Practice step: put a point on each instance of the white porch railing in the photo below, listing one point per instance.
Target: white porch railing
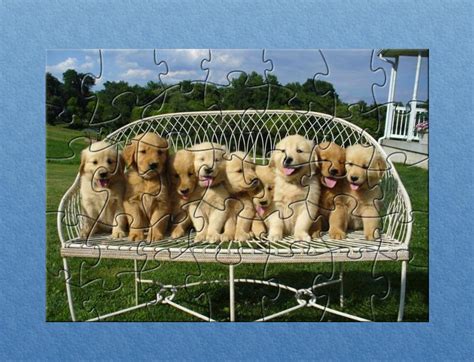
(400, 124)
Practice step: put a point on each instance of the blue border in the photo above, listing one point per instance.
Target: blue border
(30, 27)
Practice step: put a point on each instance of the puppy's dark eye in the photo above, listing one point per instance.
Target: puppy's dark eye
(349, 163)
(269, 188)
(160, 152)
(95, 162)
(299, 151)
(143, 151)
(240, 171)
(190, 174)
(110, 161)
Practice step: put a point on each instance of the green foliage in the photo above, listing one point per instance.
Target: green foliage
(119, 103)
(68, 102)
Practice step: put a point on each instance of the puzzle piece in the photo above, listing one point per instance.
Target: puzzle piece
(124, 86)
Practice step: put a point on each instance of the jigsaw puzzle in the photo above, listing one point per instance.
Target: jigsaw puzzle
(237, 185)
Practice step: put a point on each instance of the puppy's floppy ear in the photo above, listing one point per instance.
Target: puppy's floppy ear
(314, 158)
(167, 150)
(83, 161)
(272, 162)
(128, 153)
(377, 169)
(120, 163)
(381, 165)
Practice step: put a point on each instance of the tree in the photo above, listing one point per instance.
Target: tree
(54, 99)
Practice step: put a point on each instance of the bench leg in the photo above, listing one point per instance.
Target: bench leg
(403, 284)
(67, 276)
(231, 293)
(341, 285)
(135, 268)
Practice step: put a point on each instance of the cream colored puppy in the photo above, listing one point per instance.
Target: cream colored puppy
(209, 215)
(241, 182)
(365, 168)
(185, 190)
(297, 189)
(102, 188)
(263, 200)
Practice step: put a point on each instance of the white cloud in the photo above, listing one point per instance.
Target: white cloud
(69, 63)
(180, 73)
(87, 66)
(139, 73)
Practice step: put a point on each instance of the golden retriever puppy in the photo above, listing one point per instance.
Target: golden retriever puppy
(333, 203)
(102, 188)
(210, 214)
(146, 200)
(365, 168)
(185, 190)
(263, 200)
(297, 189)
(241, 182)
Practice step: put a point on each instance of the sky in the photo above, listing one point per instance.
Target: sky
(356, 74)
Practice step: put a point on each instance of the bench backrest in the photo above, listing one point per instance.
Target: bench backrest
(257, 132)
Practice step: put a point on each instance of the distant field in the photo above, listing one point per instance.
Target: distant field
(105, 285)
(64, 144)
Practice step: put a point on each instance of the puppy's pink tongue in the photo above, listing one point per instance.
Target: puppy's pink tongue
(330, 182)
(103, 183)
(208, 182)
(288, 171)
(354, 187)
(260, 210)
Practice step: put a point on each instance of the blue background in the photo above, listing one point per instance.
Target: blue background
(29, 27)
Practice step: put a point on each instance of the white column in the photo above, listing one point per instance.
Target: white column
(391, 97)
(231, 294)
(411, 123)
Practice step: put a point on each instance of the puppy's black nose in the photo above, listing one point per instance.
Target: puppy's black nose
(263, 203)
(103, 174)
(184, 191)
(354, 178)
(333, 172)
(287, 161)
(208, 170)
(153, 166)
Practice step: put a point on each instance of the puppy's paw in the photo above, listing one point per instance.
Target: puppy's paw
(226, 237)
(178, 232)
(243, 236)
(275, 236)
(337, 234)
(200, 236)
(302, 237)
(316, 234)
(84, 234)
(155, 236)
(118, 233)
(372, 236)
(213, 237)
(136, 235)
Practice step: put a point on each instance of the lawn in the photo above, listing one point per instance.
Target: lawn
(101, 286)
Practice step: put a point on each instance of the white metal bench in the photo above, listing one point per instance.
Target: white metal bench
(256, 132)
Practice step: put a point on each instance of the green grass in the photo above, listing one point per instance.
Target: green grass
(101, 286)
(64, 144)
